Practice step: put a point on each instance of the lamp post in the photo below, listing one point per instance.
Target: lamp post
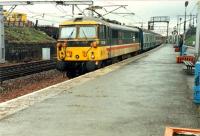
(180, 26)
(186, 4)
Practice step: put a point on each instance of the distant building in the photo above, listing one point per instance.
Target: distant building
(15, 17)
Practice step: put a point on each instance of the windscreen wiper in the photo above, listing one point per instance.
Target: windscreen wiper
(70, 36)
(85, 34)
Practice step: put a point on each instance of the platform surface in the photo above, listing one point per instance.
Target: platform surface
(139, 99)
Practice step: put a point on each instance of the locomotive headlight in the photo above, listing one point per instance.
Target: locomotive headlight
(92, 55)
(77, 56)
(93, 44)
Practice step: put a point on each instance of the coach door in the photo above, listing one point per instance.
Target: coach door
(109, 40)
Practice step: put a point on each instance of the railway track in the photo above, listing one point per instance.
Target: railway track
(19, 70)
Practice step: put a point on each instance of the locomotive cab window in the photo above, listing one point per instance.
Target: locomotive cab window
(68, 32)
(87, 32)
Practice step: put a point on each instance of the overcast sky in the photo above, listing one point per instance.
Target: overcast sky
(143, 9)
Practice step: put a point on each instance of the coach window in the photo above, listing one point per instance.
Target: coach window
(115, 36)
(147, 38)
(127, 37)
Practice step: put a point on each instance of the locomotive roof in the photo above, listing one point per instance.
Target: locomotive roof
(93, 21)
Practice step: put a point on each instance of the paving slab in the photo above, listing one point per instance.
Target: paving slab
(138, 99)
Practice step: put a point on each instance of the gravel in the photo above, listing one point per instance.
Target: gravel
(20, 86)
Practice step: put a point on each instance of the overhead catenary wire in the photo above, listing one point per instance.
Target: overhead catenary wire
(193, 8)
(63, 11)
(41, 16)
(47, 20)
(60, 9)
(37, 15)
(124, 16)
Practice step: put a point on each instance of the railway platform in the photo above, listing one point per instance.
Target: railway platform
(140, 98)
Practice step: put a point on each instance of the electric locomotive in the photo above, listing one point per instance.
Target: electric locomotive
(87, 43)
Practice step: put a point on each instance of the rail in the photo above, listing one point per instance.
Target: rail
(19, 70)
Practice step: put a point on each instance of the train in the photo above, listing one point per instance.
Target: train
(89, 43)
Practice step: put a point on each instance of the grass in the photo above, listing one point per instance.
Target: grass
(26, 35)
(189, 40)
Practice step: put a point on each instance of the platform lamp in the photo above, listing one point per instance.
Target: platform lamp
(186, 4)
(180, 26)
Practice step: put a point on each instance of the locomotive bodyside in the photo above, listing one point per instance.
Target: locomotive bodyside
(88, 43)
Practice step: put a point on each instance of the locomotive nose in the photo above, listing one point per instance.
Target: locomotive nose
(61, 47)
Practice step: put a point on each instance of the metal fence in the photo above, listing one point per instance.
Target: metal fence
(27, 52)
